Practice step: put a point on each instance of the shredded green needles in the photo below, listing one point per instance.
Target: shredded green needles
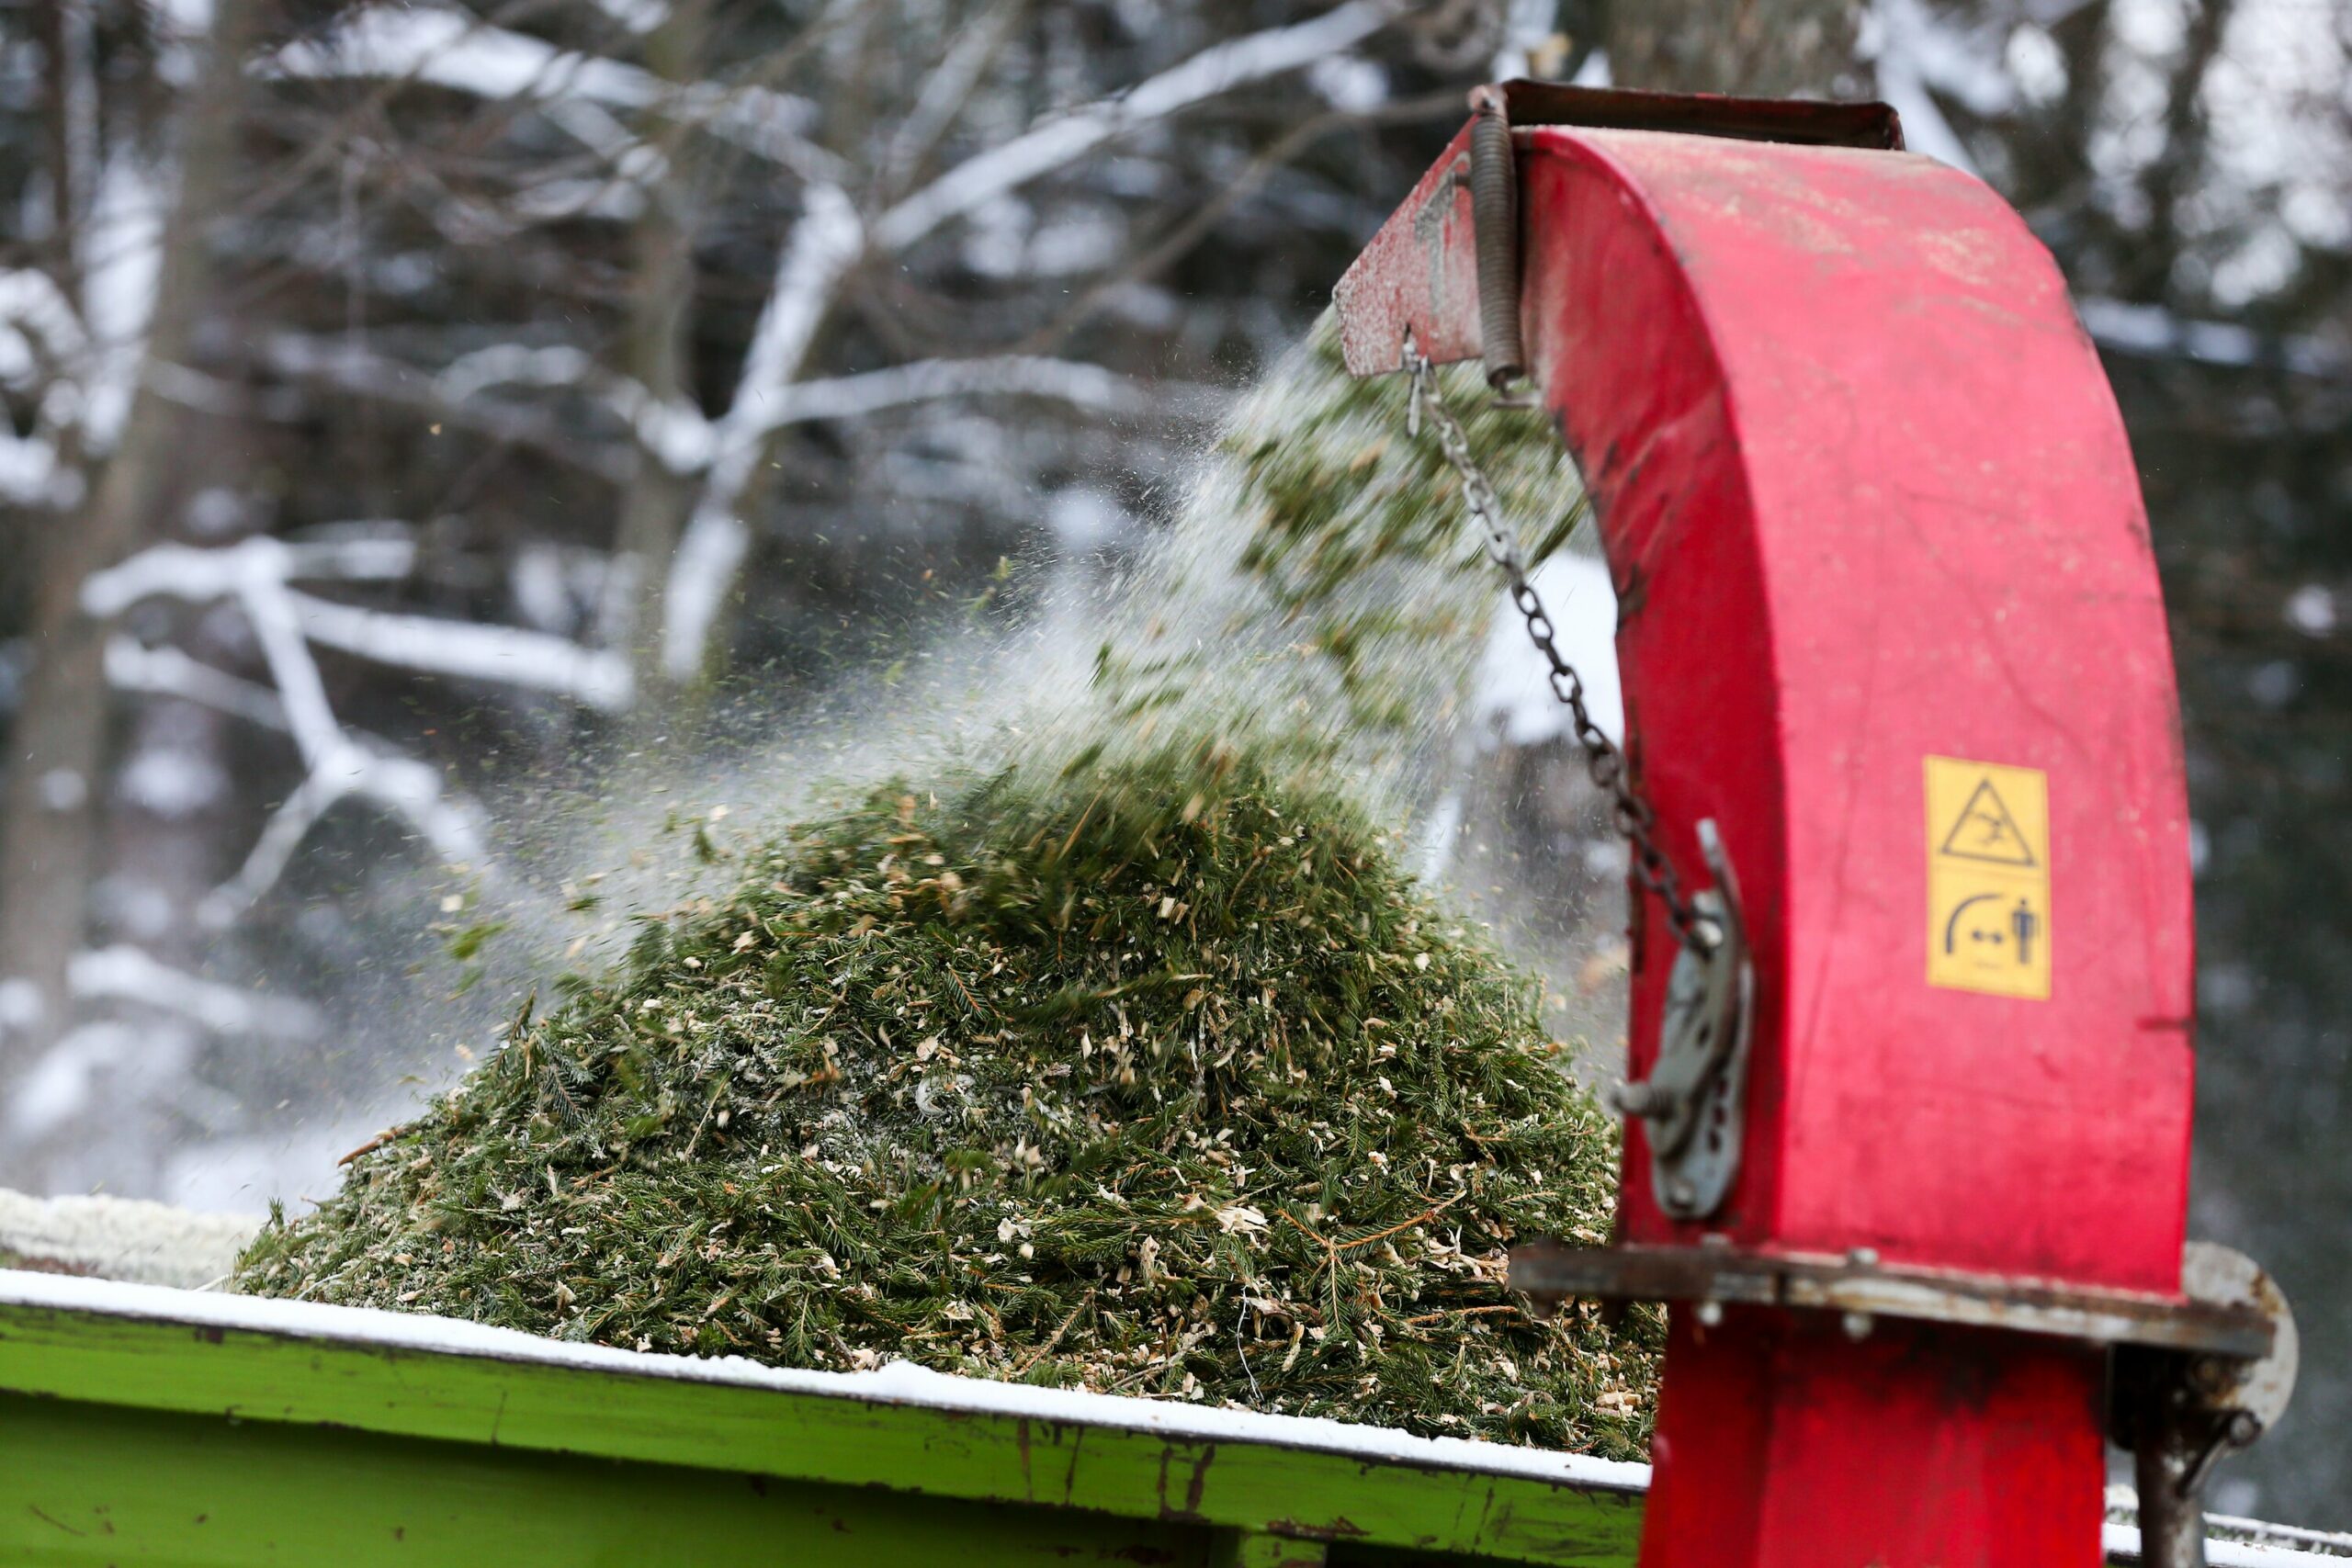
(1156, 1077)
(1148, 1071)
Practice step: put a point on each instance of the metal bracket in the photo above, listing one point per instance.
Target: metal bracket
(2180, 1410)
(1492, 171)
(1493, 219)
(1862, 1290)
(1695, 1098)
(1791, 120)
(2190, 1381)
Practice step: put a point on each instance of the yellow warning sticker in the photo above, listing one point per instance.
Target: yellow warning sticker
(1988, 878)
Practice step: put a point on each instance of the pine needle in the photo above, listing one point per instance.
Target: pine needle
(921, 1113)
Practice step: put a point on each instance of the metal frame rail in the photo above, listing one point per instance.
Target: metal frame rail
(143, 1423)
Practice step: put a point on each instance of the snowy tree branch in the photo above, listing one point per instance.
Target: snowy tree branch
(598, 678)
(1075, 382)
(675, 432)
(85, 359)
(30, 472)
(36, 320)
(127, 974)
(1059, 142)
(449, 50)
(131, 666)
(257, 574)
(684, 442)
(2124, 327)
(823, 245)
(401, 785)
(122, 263)
(828, 240)
(946, 90)
(716, 538)
(340, 364)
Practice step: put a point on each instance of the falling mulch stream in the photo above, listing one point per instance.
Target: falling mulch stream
(1146, 1070)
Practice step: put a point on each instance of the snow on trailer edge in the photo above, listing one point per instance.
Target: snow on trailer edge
(899, 1382)
(904, 1383)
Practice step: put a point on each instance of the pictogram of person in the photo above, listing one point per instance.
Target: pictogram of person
(2024, 924)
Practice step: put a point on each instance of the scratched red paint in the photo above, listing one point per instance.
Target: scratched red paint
(1867, 498)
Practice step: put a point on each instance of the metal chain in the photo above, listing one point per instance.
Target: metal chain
(1636, 820)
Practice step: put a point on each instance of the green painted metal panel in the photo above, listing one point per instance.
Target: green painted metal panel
(139, 1426)
(295, 1447)
(1250, 1550)
(112, 1484)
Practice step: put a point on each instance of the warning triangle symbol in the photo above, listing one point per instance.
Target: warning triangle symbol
(1986, 831)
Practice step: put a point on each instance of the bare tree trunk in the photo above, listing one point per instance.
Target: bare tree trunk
(1770, 48)
(62, 33)
(659, 356)
(57, 745)
(2177, 172)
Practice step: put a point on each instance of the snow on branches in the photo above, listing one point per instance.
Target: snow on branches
(258, 575)
(620, 110)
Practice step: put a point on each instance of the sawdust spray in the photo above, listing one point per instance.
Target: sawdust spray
(1106, 1043)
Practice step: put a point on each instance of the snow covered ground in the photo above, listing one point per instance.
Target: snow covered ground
(119, 1239)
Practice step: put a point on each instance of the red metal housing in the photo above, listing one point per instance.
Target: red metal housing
(1867, 501)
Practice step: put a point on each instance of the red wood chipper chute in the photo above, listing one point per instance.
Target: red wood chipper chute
(1910, 1086)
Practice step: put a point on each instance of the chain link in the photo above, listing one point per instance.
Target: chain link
(1635, 819)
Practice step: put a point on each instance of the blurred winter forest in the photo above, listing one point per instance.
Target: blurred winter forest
(445, 447)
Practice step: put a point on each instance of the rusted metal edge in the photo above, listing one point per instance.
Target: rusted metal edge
(1804, 121)
(1547, 1271)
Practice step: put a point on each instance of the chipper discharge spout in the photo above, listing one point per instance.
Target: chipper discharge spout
(1909, 1097)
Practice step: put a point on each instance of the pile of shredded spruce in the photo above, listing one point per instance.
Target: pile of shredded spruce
(1156, 1076)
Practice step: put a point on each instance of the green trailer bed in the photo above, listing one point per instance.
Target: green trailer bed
(142, 1425)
